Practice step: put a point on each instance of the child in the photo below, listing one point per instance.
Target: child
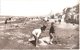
(51, 32)
(36, 34)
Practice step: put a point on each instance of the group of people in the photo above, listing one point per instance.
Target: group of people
(37, 32)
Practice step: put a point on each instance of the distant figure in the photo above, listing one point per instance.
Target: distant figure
(6, 21)
(36, 34)
(51, 32)
(59, 20)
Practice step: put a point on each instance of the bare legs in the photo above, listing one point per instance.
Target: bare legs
(52, 35)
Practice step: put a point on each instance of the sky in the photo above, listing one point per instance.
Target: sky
(34, 7)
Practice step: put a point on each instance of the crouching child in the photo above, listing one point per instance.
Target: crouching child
(36, 34)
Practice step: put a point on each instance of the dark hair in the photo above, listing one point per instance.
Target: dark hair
(43, 28)
(9, 18)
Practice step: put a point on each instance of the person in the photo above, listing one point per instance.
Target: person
(59, 20)
(36, 34)
(51, 33)
(6, 21)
